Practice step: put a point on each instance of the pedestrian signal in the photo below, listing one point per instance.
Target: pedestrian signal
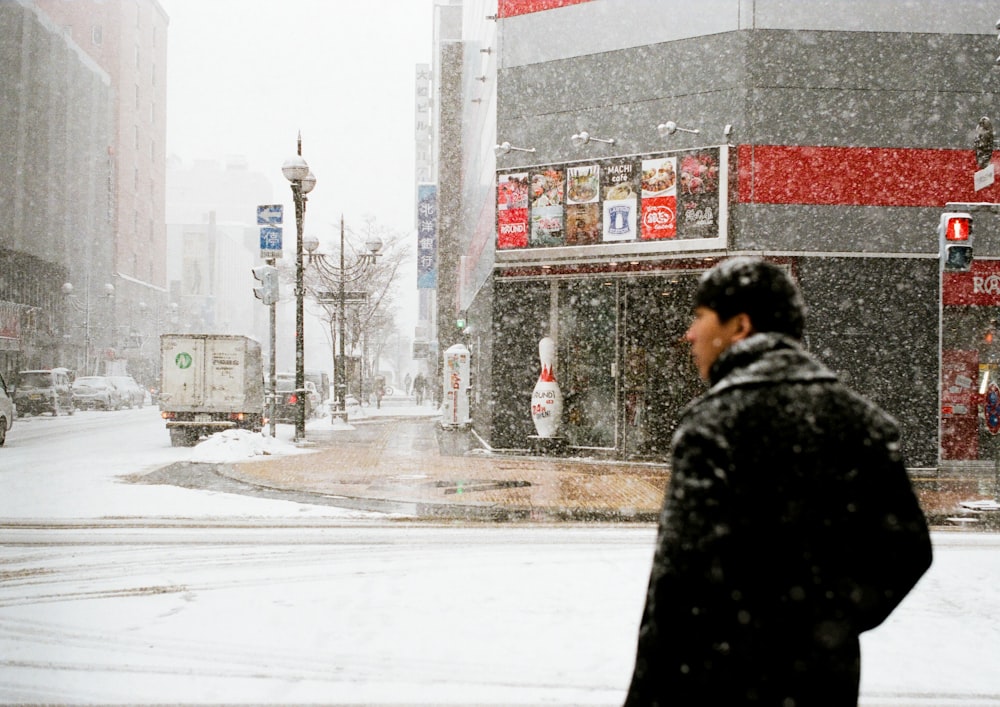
(955, 234)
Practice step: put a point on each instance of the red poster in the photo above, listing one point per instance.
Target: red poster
(512, 211)
(659, 199)
(659, 218)
(512, 228)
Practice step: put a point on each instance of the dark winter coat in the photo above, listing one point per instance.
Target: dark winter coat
(789, 527)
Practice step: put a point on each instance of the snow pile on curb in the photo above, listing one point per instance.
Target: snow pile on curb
(240, 445)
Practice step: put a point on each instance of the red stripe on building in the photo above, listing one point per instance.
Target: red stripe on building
(858, 176)
(979, 286)
(512, 8)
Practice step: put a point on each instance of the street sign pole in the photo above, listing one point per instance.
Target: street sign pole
(269, 218)
(272, 372)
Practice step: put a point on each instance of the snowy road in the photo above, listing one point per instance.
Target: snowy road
(280, 612)
(112, 592)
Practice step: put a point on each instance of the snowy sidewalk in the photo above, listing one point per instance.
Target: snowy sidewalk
(398, 460)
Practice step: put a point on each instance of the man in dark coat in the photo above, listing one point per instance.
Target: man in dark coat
(790, 525)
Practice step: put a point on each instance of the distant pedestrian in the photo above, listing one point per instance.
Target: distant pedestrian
(379, 390)
(419, 383)
(789, 526)
(407, 382)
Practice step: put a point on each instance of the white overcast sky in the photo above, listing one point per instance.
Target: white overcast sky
(245, 76)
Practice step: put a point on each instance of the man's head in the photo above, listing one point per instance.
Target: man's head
(739, 297)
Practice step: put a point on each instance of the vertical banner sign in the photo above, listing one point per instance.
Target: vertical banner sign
(422, 122)
(512, 211)
(547, 187)
(659, 198)
(427, 224)
(621, 200)
(583, 208)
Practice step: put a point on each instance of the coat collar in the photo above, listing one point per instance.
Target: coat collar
(766, 358)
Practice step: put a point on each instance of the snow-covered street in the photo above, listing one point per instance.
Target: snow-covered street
(113, 592)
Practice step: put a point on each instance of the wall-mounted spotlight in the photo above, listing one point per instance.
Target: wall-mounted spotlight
(486, 50)
(670, 127)
(477, 100)
(505, 147)
(481, 78)
(491, 17)
(583, 137)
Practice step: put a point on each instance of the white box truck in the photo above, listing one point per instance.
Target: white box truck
(210, 382)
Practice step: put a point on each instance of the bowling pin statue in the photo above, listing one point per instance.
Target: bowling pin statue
(546, 399)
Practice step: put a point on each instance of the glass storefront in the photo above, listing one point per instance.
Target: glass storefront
(622, 364)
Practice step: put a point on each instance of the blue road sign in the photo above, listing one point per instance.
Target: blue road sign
(270, 241)
(268, 214)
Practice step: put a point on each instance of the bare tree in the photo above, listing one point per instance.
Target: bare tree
(370, 287)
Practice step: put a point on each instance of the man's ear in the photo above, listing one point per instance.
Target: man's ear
(744, 327)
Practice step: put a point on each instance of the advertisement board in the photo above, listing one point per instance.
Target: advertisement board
(673, 201)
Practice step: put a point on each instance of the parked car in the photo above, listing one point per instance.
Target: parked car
(285, 403)
(315, 404)
(95, 392)
(44, 390)
(6, 410)
(133, 394)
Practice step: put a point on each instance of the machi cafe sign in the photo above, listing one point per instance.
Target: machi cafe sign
(663, 197)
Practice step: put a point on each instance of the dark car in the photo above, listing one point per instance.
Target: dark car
(44, 390)
(133, 394)
(285, 402)
(95, 393)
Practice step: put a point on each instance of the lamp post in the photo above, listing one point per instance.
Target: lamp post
(296, 171)
(344, 274)
(85, 309)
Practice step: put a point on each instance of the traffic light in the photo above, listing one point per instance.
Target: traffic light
(955, 233)
(267, 292)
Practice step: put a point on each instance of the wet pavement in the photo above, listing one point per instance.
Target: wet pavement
(409, 465)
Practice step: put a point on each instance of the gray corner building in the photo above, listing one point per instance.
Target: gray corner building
(640, 141)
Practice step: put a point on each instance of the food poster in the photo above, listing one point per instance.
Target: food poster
(583, 224)
(583, 209)
(512, 210)
(619, 189)
(659, 198)
(698, 195)
(547, 191)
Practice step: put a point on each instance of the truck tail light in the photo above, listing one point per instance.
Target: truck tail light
(168, 415)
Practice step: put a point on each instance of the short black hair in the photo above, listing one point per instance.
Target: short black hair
(752, 286)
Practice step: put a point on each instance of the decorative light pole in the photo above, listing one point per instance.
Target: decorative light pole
(296, 171)
(85, 309)
(343, 274)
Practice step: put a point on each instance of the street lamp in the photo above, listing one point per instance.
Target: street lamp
(296, 171)
(344, 274)
(85, 309)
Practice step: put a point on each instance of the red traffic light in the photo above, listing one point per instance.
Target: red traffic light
(957, 228)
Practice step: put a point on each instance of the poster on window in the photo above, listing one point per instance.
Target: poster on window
(698, 195)
(547, 200)
(619, 190)
(512, 210)
(659, 198)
